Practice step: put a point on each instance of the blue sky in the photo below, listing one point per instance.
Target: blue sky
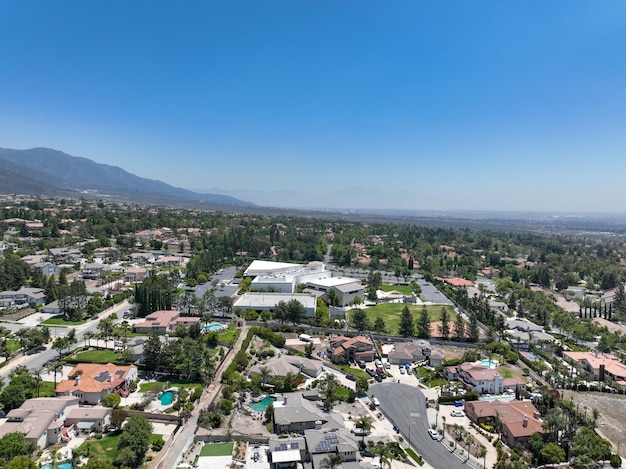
(485, 105)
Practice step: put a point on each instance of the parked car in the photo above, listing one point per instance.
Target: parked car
(367, 453)
(457, 413)
(434, 434)
(388, 366)
(378, 378)
(370, 371)
(361, 364)
(402, 371)
(375, 401)
(351, 377)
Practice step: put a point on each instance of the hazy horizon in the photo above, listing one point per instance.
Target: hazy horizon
(345, 105)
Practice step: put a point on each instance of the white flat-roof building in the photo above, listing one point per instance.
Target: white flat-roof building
(259, 301)
(283, 277)
(346, 288)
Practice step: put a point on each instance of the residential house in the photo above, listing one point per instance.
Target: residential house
(518, 419)
(165, 321)
(294, 364)
(22, 297)
(602, 366)
(64, 254)
(88, 420)
(410, 352)
(47, 268)
(93, 271)
(40, 420)
(143, 257)
(287, 453)
(295, 414)
(90, 382)
(523, 333)
(321, 443)
(482, 379)
(175, 261)
(135, 274)
(346, 349)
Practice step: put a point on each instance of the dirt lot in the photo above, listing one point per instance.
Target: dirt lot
(612, 420)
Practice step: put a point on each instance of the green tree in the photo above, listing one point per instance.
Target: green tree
(379, 325)
(135, 438)
(112, 400)
(361, 386)
(459, 328)
(309, 348)
(295, 311)
(152, 353)
(364, 422)
(329, 385)
(21, 462)
(423, 324)
(406, 327)
(118, 417)
(444, 327)
(360, 321)
(551, 453)
(13, 445)
(332, 461)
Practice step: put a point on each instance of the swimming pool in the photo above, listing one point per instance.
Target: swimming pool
(212, 327)
(261, 406)
(63, 465)
(489, 363)
(167, 397)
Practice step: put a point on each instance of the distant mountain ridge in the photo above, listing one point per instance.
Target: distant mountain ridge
(48, 171)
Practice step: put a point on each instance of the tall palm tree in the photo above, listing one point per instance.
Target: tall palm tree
(364, 422)
(36, 373)
(55, 367)
(328, 385)
(384, 462)
(332, 461)
(265, 374)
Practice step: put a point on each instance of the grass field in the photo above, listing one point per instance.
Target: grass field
(46, 389)
(391, 312)
(159, 385)
(59, 321)
(106, 447)
(98, 356)
(404, 289)
(12, 345)
(358, 372)
(217, 449)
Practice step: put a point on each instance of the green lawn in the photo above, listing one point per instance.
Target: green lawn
(343, 393)
(391, 312)
(159, 385)
(106, 447)
(98, 356)
(217, 449)
(229, 336)
(46, 389)
(59, 321)
(404, 289)
(13, 345)
(358, 372)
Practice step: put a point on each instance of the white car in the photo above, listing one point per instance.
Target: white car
(434, 434)
(375, 401)
(402, 371)
(457, 413)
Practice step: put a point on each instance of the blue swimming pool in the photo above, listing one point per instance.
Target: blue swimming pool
(167, 397)
(262, 404)
(212, 327)
(63, 465)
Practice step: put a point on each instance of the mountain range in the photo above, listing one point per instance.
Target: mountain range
(44, 171)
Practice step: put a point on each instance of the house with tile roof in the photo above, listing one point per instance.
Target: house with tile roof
(482, 379)
(518, 419)
(602, 366)
(164, 322)
(345, 349)
(90, 382)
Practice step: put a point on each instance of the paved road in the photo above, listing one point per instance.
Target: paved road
(37, 360)
(405, 407)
